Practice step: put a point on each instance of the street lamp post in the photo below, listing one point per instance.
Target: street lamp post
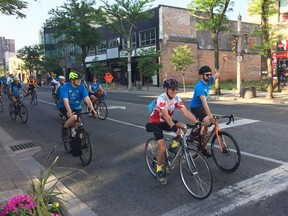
(239, 52)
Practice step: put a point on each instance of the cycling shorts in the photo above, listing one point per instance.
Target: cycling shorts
(199, 112)
(64, 111)
(157, 129)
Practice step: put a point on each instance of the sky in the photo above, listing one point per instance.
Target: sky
(26, 31)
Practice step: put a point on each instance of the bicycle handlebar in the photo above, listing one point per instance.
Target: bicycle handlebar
(231, 118)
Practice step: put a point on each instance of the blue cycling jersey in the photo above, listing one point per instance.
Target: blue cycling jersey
(15, 88)
(94, 86)
(201, 89)
(74, 95)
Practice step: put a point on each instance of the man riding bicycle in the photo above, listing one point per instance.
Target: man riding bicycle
(14, 90)
(199, 102)
(160, 119)
(31, 85)
(71, 96)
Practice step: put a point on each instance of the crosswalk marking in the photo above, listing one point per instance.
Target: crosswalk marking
(228, 199)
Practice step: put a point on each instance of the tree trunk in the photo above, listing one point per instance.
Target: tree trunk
(269, 94)
(216, 62)
(129, 64)
(183, 79)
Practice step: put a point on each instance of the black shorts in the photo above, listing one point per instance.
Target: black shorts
(64, 111)
(157, 129)
(199, 112)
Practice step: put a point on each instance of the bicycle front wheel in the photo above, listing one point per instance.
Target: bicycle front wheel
(102, 110)
(12, 112)
(196, 174)
(1, 105)
(23, 113)
(228, 159)
(86, 146)
(150, 155)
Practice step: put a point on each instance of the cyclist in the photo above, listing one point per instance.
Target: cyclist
(58, 87)
(94, 88)
(160, 119)
(199, 102)
(71, 96)
(14, 90)
(31, 85)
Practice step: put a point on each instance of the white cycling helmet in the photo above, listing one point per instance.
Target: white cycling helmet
(61, 78)
(16, 78)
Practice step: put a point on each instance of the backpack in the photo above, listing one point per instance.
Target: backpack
(151, 106)
(75, 146)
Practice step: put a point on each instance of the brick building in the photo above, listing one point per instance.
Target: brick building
(169, 28)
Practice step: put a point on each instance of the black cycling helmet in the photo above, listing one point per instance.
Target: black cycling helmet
(204, 69)
(170, 83)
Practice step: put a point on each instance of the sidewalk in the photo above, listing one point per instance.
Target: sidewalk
(17, 167)
(279, 97)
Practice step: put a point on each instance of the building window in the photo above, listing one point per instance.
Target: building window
(147, 37)
(92, 51)
(113, 43)
(133, 41)
(101, 49)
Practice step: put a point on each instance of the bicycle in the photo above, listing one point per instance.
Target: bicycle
(224, 148)
(194, 169)
(78, 134)
(19, 109)
(33, 97)
(1, 104)
(101, 108)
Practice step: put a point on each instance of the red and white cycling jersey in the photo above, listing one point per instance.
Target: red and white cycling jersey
(163, 102)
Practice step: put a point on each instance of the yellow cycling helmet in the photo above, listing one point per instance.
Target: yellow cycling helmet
(75, 75)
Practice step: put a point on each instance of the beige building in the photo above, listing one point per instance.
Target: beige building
(16, 68)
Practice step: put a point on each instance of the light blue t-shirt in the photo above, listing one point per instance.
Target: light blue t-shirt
(201, 89)
(74, 95)
(15, 88)
(94, 86)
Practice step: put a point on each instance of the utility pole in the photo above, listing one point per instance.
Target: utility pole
(239, 52)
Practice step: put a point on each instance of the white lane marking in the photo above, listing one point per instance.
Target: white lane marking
(47, 102)
(228, 199)
(116, 107)
(236, 123)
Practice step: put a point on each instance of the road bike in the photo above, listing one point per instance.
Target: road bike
(19, 109)
(82, 139)
(194, 169)
(33, 97)
(100, 108)
(224, 147)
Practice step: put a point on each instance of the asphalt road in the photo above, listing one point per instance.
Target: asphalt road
(118, 182)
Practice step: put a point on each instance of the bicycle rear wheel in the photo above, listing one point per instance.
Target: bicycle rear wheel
(229, 158)
(23, 113)
(66, 139)
(196, 174)
(86, 146)
(102, 110)
(150, 155)
(12, 112)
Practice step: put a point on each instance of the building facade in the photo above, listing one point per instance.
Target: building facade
(6, 45)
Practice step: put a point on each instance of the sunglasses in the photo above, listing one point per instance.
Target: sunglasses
(208, 75)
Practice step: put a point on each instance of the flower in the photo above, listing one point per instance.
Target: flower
(18, 205)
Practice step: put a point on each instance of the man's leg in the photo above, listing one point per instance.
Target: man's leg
(161, 176)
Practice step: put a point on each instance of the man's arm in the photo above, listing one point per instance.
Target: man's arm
(221, 69)
(67, 106)
(188, 115)
(167, 117)
(89, 103)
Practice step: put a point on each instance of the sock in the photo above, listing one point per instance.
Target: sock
(175, 144)
(159, 168)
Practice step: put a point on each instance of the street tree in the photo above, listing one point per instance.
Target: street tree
(266, 9)
(32, 58)
(74, 23)
(147, 63)
(121, 18)
(212, 17)
(13, 7)
(181, 59)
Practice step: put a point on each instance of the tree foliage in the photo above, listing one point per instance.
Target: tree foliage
(212, 17)
(181, 59)
(147, 62)
(13, 7)
(266, 9)
(122, 17)
(74, 23)
(32, 58)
